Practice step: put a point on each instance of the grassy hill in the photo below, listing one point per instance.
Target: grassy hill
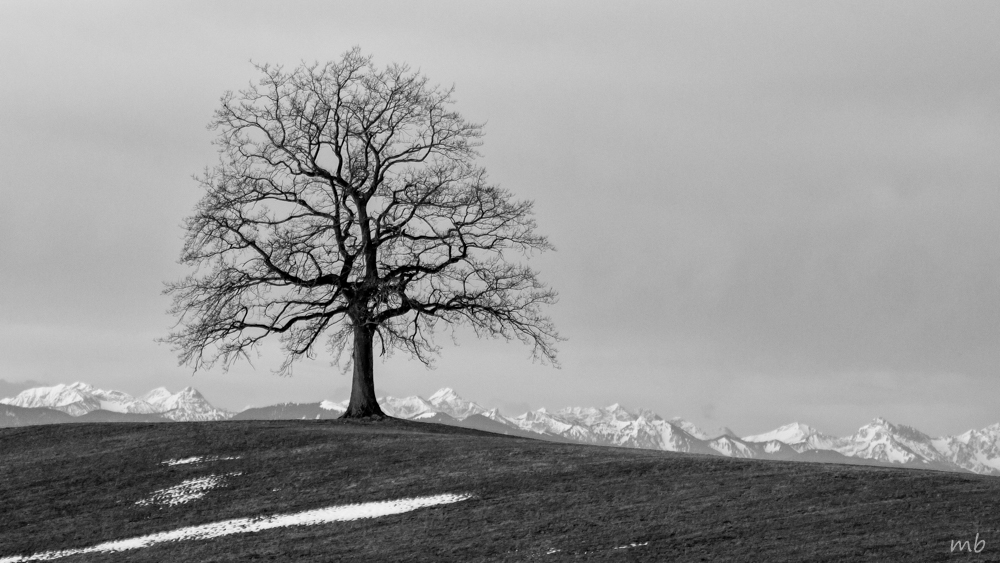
(73, 486)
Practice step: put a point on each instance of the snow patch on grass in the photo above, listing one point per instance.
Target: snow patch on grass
(256, 524)
(198, 459)
(631, 545)
(187, 491)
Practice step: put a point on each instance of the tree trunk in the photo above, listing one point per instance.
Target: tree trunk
(363, 403)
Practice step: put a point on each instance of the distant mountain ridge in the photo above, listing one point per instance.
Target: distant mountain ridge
(80, 399)
(879, 442)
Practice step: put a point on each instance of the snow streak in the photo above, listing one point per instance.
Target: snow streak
(192, 489)
(249, 525)
(198, 459)
(631, 545)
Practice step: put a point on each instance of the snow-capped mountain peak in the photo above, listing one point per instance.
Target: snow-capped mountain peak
(77, 399)
(116, 401)
(445, 394)
(187, 404)
(406, 407)
(591, 415)
(689, 427)
(331, 406)
(975, 450)
(619, 413)
(448, 402)
(647, 414)
(901, 431)
(495, 414)
(800, 437)
(543, 422)
(156, 396)
(883, 441)
(66, 398)
(731, 446)
(789, 434)
(81, 398)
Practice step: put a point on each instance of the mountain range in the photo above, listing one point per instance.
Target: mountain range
(879, 442)
(88, 403)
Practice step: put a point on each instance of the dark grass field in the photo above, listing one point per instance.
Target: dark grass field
(75, 485)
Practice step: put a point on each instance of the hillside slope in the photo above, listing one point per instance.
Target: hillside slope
(72, 486)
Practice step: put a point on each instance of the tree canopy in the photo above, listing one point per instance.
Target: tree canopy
(347, 208)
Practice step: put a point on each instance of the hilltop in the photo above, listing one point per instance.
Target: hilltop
(74, 486)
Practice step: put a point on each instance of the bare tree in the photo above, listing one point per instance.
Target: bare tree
(347, 203)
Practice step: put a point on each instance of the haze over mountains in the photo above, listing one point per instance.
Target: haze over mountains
(879, 442)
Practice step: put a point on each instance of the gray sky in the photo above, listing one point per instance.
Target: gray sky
(764, 212)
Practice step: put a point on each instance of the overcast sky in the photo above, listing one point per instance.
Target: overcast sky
(764, 212)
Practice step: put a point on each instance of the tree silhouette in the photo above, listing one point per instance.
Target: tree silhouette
(347, 203)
